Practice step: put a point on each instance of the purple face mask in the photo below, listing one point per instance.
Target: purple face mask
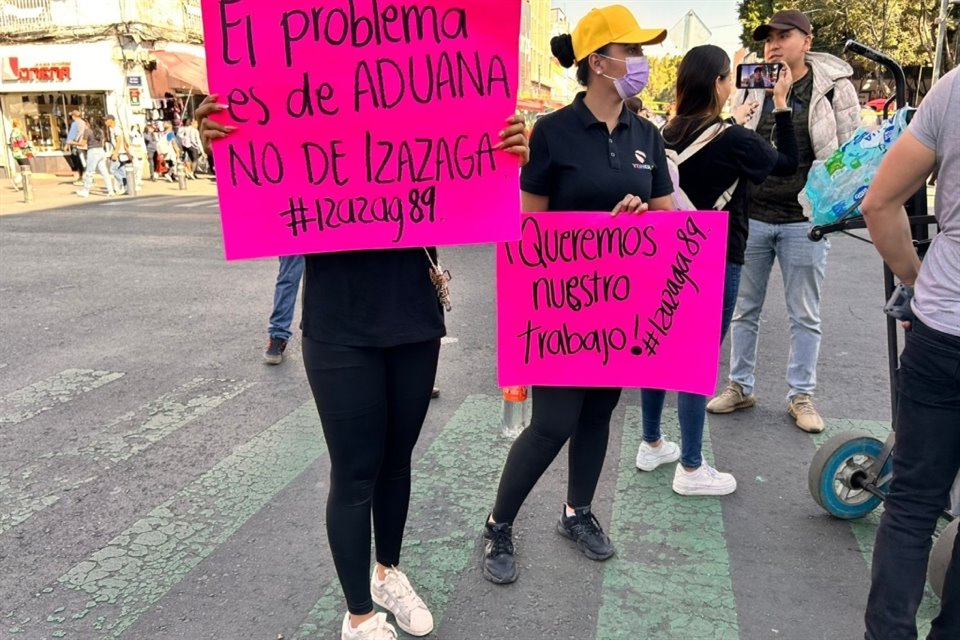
(633, 82)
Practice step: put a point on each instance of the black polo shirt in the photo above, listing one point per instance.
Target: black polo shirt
(581, 166)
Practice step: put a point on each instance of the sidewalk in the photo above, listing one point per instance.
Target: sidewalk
(54, 192)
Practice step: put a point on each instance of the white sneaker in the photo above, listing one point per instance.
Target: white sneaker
(705, 481)
(397, 596)
(83, 193)
(376, 628)
(649, 458)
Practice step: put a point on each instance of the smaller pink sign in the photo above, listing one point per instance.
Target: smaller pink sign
(363, 124)
(591, 300)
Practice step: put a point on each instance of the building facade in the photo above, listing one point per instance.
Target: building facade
(139, 60)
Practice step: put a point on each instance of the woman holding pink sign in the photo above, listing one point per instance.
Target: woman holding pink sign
(716, 161)
(592, 155)
(372, 323)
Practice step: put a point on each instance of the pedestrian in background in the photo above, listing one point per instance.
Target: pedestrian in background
(825, 112)
(73, 149)
(138, 153)
(118, 151)
(720, 160)
(22, 150)
(284, 304)
(582, 158)
(150, 141)
(171, 151)
(189, 138)
(372, 324)
(926, 455)
(95, 137)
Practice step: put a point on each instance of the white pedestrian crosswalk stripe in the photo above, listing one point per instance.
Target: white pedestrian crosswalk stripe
(58, 389)
(40, 484)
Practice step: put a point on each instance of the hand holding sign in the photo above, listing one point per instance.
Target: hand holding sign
(211, 130)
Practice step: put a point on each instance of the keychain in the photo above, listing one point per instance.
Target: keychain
(439, 277)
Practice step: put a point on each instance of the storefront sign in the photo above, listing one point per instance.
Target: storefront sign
(12, 71)
(591, 300)
(134, 97)
(134, 81)
(393, 144)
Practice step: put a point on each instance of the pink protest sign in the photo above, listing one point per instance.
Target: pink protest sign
(363, 124)
(591, 300)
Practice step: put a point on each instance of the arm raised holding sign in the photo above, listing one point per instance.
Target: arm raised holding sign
(592, 155)
(372, 324)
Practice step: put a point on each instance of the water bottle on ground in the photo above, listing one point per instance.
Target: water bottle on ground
(515, 414)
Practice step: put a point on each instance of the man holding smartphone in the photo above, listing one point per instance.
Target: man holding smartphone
(826, 112)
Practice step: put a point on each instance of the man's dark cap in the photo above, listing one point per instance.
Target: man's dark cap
(784, 20)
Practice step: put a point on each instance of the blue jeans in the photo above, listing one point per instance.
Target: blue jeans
(97, 161)
(116, 168)
(691, 407)
(285, 296)
(926, 459)
(803, 264)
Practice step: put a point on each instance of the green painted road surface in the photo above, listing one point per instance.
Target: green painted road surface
(671, 577)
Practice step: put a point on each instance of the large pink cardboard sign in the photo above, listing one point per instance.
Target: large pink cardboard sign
(363, 124)
(591, 300)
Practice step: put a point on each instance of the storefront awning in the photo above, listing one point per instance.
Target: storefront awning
(178, 72)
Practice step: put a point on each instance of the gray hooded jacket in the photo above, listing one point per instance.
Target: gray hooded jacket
(833, 118)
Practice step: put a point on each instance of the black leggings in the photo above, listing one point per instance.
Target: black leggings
(577, 414)
(372, 403)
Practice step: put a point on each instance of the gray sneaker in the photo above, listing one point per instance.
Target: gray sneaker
(802, 410)
(731, 399)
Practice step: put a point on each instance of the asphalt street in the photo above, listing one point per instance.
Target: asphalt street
(157, 481)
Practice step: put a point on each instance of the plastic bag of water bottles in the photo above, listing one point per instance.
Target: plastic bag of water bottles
(836, 186)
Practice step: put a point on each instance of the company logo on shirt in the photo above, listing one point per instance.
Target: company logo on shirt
(641, 163)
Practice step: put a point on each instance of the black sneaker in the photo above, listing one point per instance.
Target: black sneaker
(584, 529)
(499, 566)
(274, 352)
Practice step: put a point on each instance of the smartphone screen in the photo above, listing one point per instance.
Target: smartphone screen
(757, 76)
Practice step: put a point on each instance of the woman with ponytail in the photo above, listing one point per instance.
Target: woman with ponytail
(592, 155)
(715, 177)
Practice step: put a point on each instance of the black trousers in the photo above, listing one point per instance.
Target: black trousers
(926, 459)
(577, 414)
(372, 403)
(75, 164)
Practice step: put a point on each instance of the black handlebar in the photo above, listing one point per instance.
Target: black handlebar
(899, 77)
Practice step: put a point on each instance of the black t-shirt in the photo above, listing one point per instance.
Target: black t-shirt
(370, 298)
(775, 201)
(581, 166)
(737, 153)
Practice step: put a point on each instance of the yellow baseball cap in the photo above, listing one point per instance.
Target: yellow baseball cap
(612, 24)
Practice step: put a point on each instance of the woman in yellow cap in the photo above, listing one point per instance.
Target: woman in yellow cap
(592, 155)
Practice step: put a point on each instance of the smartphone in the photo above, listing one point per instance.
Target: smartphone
(758, 75)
